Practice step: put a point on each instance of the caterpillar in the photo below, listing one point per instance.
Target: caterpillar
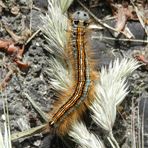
(73, 102)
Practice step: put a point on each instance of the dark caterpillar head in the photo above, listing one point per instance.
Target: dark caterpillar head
(80, 16)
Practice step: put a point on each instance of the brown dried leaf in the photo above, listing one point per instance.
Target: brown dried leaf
(123, 14)
(121, 19)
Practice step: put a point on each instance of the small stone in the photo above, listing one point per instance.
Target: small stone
(3, 117)
(37, 143)
(37, 44)
(15, 10)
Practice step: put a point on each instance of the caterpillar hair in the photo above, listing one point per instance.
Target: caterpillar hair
(73, 101)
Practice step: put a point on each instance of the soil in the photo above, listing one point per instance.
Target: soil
(35, 81)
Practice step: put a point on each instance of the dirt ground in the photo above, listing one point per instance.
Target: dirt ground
(22, 15)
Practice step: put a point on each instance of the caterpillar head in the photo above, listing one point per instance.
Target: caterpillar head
(80, 17)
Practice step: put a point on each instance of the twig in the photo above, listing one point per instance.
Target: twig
(115, 39)
(29, 132)
(32, 36)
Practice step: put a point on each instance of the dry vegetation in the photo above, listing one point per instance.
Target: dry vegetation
(119, 29)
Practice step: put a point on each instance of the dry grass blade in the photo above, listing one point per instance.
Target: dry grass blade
(65, 4)
(60, 77)
(6, 139)
(115, 39)
(104, 109)
(84, 138)
(29, 132)
(110, 92)
(54, 28)
(1, 140)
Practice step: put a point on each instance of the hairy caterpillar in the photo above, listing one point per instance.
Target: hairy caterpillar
(73, 102)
